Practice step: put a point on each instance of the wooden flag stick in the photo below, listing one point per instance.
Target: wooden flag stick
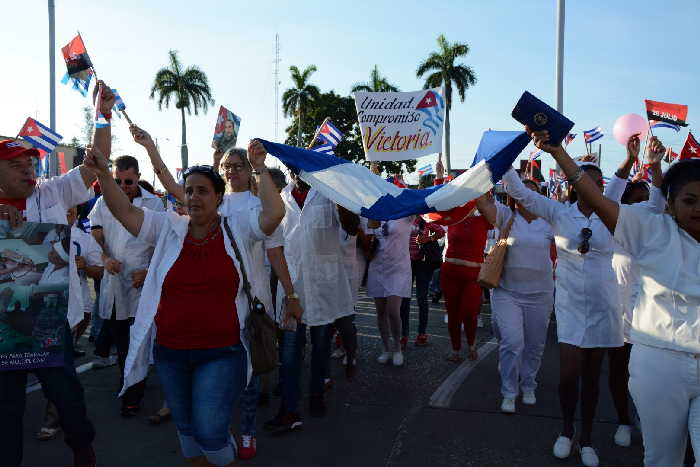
(313, 141)
(127, 117)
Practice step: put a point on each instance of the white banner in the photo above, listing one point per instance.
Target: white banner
(400, 125)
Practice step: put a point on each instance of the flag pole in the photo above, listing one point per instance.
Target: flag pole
(52, 69)
(318, 131)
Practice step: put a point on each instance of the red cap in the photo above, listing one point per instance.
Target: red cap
(10, 149)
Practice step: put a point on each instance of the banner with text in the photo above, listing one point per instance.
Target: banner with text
(400, 125)
(34, 282)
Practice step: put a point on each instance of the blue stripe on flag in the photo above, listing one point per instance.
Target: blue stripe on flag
(666, 125)
(594, 138)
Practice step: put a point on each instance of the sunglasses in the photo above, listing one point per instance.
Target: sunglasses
(585, 246)
(126, 182)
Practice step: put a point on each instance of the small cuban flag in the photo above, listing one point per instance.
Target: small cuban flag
(329, 133)
(40, 136)
(425, 170)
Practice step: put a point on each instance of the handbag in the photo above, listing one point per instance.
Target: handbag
(260, 328)
(491, 270)
(431, 252)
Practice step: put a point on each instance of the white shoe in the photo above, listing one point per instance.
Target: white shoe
(508, 405)
(103, 362)
(529, 398)
(623, 436)
(445, 318)
(384, 357)
(479, 322)
(398, 359)
(562, 447)
(588, 457)
(338, 353)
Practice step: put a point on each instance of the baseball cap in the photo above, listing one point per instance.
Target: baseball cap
(10, 149)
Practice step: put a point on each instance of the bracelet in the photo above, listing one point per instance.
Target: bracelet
(576, 177)
(260, 172)
(617, 174)
(292, 296)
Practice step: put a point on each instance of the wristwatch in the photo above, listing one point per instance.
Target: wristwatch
(292, 296)
(260, 172)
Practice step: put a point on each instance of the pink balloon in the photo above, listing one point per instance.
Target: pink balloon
(628, 125)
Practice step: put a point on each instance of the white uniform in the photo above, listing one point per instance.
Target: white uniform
(315, 259)
(242, 203)
(665, 362)
(166, 232)
(116, 290)
(587, 303)
(390, 269)
(522, 303)
(92, 252)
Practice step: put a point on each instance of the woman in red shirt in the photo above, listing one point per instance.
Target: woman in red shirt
(460, 270)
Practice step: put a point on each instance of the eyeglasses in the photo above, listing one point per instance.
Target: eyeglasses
(234, 167)
(127, 182)
(585, 246)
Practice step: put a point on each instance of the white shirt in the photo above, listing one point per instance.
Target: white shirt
(116, 290)
(81, 244)
(166, 231)
(315, 259)
(528, 265)
(629, 278)
(587, 303)
(668, 314)
(390, 270)
(52, 198)
(242, 203)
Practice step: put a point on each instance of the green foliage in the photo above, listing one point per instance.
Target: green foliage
(189, 87)
(376, 83)
(444, 70)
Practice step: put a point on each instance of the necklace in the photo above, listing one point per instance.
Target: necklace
(212, 234)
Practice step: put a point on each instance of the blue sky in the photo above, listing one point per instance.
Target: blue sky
(616, 55)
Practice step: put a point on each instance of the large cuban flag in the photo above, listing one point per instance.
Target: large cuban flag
(355, 188)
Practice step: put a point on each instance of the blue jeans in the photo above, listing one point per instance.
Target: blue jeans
(60, 386)
(291, 351)
(423, 273)
(248, 403)
(202, 387)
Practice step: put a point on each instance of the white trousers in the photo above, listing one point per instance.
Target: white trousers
(665, 386)
(521, 322)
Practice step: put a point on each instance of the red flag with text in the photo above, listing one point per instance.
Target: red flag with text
(665, 112)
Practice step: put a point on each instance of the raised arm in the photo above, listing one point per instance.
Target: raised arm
(159, 168)
(272, 206)
(534, 202)
(487, 208)
(129, 215)
(102, 137)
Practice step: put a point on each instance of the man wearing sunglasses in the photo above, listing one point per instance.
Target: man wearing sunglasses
(126, 261)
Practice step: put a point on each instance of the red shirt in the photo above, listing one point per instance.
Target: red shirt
(20, 204)
(299, 196)
(466, 240)
(197, 308)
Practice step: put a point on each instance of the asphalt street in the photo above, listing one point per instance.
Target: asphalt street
(430, 412)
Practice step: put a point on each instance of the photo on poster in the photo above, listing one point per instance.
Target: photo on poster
(226, 130)
(34, 283)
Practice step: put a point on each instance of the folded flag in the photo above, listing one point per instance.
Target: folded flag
(329, 133)
(691, 149)
(657, 124)
(78, 64)
(40, 136)
(593, 135)
(569, 138)
(355, 188)
(675, 114)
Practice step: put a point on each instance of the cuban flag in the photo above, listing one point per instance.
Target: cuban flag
(593, 135)
(40, 136)
(118, 102)
(535, 154)
(330, 134)
(425, 170)
(657, 124)
(355, 188)
(569, 138)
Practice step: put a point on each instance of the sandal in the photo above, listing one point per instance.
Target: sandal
(163, 415)
(472, 354)
(455, 357)
(47, 434)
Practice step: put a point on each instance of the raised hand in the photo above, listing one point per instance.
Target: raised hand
(96, 161)
(107, 101)
(541, 141)
(439, 169)
(655, 151)
(374, 168)
(257, 154)
(141, 137)
(633, 148)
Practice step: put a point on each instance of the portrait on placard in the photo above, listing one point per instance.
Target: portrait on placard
(34, 284)
(225, 130)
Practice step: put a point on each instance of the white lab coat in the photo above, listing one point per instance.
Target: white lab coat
(80, 303)
(116, 290)
(390, 269)
(166, 231)
(315, 258)
(587, 302)
(629, 278)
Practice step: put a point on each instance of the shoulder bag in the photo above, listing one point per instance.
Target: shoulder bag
(490, 273)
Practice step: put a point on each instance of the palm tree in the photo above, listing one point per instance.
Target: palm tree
(444, 72)
(190, 89)
(296, 99)
(376, 83)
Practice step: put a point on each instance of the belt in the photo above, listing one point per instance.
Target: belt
(462, 262)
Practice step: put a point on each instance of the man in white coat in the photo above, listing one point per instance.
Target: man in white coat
(126, 261)
(316, 263)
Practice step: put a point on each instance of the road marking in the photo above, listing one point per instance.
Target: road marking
(442, 397)
(81, 369)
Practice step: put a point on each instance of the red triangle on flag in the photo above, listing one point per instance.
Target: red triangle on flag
(428, 100)
(30, 128)
(691, 149)
(324, 129)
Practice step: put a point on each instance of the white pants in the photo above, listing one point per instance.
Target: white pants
(665, 386)
(521, 322)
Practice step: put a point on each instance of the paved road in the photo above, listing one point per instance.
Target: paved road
(429, 413)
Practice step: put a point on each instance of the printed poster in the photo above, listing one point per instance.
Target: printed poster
(225, 130)
(398, 126)
(33, 294)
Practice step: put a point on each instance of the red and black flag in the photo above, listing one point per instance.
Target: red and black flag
(691, 149)
(664, 112)
(79, 65)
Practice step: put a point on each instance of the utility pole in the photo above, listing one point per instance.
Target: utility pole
(277, 85)
(52, 78)
(559, 77)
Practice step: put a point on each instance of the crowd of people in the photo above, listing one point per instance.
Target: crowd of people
(616, 263)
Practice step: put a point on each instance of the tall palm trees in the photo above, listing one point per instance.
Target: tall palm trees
(376, 83)
(189, 87)
(297, 98)
(445, 72)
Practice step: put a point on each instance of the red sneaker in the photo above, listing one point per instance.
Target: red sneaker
(404, 343)
(421, 340)
(248, 447)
